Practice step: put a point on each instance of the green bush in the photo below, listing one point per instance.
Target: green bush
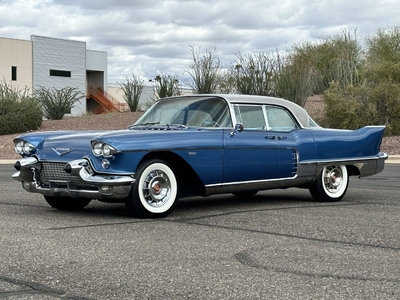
(19, 116)
(363, 105)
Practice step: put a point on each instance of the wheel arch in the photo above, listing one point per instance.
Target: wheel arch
(188, 180)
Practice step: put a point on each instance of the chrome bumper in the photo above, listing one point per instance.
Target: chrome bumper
(367, 166)
(97, 186)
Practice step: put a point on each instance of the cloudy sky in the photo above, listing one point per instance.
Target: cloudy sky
(153, 37)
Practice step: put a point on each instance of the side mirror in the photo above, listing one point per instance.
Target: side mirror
(238, 128)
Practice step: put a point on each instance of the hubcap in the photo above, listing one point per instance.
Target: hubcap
(156, 188)
(333, 178)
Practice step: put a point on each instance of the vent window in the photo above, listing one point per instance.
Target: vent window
(60, 73)
(14, 73)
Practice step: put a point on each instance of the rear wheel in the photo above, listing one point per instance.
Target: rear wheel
(155, 192)
(67, 203)
(331, 185)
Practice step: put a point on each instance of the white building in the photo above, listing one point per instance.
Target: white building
(58, 63)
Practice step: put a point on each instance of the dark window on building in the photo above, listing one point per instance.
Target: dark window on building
(60, 73)
(14, 73)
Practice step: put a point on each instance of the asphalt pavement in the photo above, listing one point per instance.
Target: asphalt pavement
(279, 244)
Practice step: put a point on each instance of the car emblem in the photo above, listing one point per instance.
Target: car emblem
(62, 151)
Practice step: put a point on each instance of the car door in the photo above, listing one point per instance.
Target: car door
(283, 128)
(252, 153)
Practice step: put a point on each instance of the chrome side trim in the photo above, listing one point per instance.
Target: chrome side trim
(307, 172)
(380, 156)
(266, 184)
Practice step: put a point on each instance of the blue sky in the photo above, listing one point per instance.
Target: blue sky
(152, 37)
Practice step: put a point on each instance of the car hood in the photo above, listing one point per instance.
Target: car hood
(65, 146)
(62, 145)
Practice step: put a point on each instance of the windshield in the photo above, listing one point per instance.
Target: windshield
(188, 111)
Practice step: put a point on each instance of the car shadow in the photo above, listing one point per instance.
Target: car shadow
(206, 205)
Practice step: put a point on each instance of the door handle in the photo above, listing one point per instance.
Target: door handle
(273, 137)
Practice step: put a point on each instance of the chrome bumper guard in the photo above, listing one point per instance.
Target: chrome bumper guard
(99, 186)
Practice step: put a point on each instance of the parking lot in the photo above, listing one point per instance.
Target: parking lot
(277, 245)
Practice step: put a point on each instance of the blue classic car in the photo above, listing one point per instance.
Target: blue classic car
(197, 145)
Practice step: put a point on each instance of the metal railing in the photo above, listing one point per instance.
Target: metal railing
(107, 102)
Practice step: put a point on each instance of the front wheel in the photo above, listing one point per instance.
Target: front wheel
(155, 192)
(67, 203)
(331, 184)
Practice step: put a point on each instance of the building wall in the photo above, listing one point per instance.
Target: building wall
(96, 67)
(17, 53)
(59, 63)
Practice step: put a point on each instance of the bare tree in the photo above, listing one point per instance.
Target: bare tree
(227, 82)
(294, 79)
(254, 74)
(132, 88)
(204, 71)
(166, 86)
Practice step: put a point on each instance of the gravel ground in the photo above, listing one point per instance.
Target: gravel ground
(315, 106)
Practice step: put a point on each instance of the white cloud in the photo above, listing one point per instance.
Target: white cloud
(148, 37)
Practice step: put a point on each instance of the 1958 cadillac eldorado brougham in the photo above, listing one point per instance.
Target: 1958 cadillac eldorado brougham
(197, 145)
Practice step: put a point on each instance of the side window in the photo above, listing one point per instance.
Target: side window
(251, 116)
(279, 119)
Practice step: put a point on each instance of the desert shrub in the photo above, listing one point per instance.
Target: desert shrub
(386, 100)
(56, 103)
(132, 89)
(336, 58)
(294, 79)
(355, 107)
(166, 85)
(383, 46)
(18, 111)
(254, 73)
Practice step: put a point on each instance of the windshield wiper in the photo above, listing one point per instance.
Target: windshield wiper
(167, 126)
(143, 124)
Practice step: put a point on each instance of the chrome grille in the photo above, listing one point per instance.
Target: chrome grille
(294, 163)
(55, 171)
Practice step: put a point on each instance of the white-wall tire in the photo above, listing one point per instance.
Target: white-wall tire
(155, 192)
(331, 184)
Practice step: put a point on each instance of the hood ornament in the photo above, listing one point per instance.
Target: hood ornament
(62, 151)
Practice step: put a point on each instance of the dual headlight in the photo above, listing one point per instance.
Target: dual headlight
(102, 149)
(23, 147)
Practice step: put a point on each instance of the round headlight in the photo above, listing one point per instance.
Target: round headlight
(27, 148)
(19, 147)
(97, 149)
(106, 149)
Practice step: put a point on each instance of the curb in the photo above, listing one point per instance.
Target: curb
(392, 159)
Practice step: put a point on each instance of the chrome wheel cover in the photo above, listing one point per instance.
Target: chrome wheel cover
(156, 188)
(333, 179)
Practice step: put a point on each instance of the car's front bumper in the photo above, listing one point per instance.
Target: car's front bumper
(81, 182)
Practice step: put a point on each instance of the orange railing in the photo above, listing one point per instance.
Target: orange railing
(107, 102)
